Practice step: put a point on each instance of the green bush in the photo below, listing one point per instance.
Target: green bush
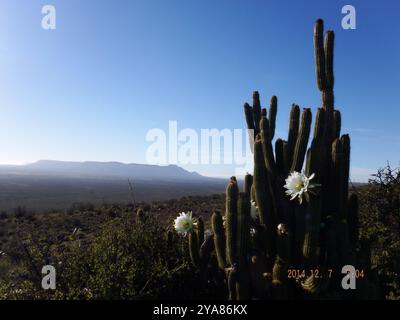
(380, 227)
(127, 260)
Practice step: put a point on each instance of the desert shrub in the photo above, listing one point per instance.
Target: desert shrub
(3, 215)
(128, 259)
(80, 207)
(380, 226)
(20, 211)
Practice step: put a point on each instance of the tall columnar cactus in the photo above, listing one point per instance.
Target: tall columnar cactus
(194, 249)
(315, 236)
(200, 231)
(324, 72)
(248, 183)
(219, 238)
(232, 195)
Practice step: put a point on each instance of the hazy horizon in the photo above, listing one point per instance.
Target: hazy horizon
(363, 172)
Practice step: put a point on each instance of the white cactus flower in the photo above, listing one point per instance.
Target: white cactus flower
(254, 210)
(298, 185)
(184, 222)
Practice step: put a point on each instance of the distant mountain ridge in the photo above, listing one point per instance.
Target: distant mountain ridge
(102, 170)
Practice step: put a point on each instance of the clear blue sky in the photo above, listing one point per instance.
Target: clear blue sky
(112, 70)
